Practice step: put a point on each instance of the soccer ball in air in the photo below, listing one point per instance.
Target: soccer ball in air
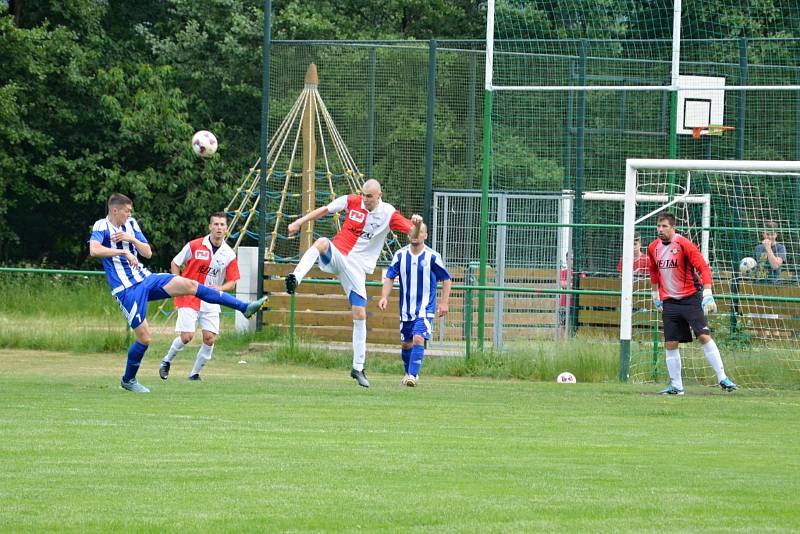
(566, 378)
(747, 265)
(204, 144)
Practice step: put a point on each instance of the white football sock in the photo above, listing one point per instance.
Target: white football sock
(306, 263)
(674, 367)
(359, 343)
(203, 355)
(176, 347)
(714, 358)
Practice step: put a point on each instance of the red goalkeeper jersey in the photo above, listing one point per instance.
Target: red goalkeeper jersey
(675, 267)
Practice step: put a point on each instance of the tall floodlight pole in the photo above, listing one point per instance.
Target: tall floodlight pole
(262, 223)
(309, 155)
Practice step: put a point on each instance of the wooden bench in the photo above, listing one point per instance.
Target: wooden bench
(764, 318)
(323, 312)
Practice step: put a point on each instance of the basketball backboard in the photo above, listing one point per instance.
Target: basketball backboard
(700, 107)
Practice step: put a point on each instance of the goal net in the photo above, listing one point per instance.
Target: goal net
(729, 209)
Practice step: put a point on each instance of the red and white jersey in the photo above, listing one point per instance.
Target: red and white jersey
(207, 267)
(364, 232)
(675, 266)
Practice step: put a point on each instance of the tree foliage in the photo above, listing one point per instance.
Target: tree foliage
(97, 97)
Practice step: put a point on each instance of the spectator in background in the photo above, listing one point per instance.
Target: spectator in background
(641, 262)
(770, 255)
(564, 299)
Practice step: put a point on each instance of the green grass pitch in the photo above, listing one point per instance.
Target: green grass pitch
(265, 447)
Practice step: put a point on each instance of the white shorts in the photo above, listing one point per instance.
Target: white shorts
(188, 319)
(350, 274)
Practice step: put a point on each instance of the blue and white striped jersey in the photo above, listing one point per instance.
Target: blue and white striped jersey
(119, 273)
(418, 277)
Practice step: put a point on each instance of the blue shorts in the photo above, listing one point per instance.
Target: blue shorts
(133, 301)
(417, 327)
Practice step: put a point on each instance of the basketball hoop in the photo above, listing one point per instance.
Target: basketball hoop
(711, 129)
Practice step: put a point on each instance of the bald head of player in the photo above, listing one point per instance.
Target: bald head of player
(371, 192)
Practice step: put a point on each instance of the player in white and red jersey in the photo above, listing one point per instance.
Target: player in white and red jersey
(352, 254)
(681, 282)
(210, 261)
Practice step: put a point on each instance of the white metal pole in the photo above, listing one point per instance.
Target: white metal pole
(628, 231)
(676, 42)
(756, 166)
(705, 235)
(489, 46)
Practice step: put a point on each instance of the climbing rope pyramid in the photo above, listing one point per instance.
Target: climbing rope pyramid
(308, 165)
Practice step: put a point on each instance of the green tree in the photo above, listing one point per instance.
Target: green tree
(377, 19)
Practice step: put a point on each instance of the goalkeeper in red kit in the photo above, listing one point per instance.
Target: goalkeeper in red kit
(681, 283)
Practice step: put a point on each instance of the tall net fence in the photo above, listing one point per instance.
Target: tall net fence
(387, 100)
(544, 50)
(577, 88)
(378, 95)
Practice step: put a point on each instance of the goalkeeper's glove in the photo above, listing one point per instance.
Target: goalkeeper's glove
(709, 306)
(657, 302)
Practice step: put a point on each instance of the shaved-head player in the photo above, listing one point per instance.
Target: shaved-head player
(352, 254)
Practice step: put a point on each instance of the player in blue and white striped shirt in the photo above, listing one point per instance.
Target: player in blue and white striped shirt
(119, 241)
(419, 269)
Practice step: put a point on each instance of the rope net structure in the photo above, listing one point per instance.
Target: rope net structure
(297, 180)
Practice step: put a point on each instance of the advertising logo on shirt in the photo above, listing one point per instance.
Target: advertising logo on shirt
(356, 216)
(202, 255)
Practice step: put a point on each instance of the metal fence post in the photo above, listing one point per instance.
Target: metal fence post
(577, 256)
(469, 280)
(371, 112)
(262, 219)
(429, 130)
(740, 120)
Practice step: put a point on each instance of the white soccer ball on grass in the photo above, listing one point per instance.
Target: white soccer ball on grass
(204, 144)
(566, 378)
(747, 265)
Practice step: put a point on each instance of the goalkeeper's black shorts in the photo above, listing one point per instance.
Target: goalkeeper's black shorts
(684, 316)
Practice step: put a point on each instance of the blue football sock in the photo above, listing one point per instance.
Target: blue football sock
(417, 354)
(215, 296)
(135, 355)
(406, 355)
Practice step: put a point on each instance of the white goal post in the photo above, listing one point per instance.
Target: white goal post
(680, 172)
